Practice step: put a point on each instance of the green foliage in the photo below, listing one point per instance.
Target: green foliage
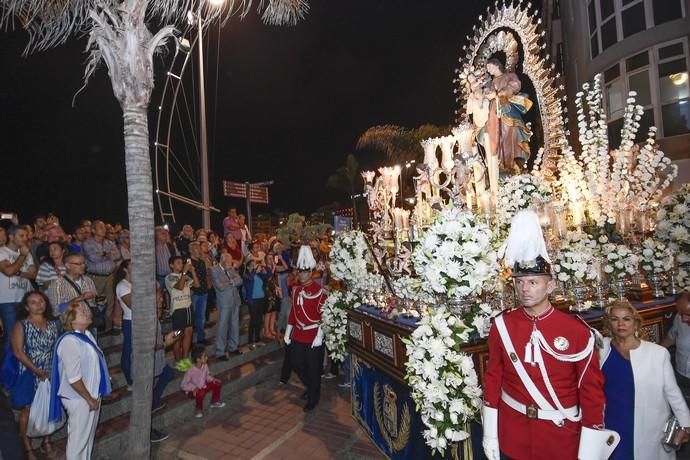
(296, 230)
(398, 143)
(346, 177)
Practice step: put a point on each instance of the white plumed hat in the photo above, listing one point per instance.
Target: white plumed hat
(525, 250)
(305, 259)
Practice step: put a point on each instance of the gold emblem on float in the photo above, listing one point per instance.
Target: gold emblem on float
(561, 343)
(396, 434)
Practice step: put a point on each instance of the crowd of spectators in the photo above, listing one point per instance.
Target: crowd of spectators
(59, 292)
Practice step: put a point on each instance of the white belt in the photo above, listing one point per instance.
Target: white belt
(533, 412)
(302, 327)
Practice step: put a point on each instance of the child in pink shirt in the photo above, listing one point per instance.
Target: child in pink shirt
(197, 382)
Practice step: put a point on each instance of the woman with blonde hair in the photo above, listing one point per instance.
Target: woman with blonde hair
(640, 387)
(80, 378)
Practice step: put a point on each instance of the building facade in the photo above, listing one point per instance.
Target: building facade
(637, 45)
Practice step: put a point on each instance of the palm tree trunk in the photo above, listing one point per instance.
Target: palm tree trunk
(140, 206)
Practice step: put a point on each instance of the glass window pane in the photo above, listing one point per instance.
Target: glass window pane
(606, 8)
(612, 73)
(671, 51)
(608, 34)
(666, 10)
(633, 20)
(615, 99)
(592, 18)
(594, 45)
(676, 118)
(639, 82)
(615, 133)
(646, 122)
(637, 61)
(673, 80)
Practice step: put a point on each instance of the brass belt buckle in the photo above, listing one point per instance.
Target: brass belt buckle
(531, 412)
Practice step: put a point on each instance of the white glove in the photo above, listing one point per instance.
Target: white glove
(318, 340)
(597, 444)
(288, 331)
(490, 439)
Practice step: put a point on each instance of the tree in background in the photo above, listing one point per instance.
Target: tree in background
(398, 143)
(119, 37)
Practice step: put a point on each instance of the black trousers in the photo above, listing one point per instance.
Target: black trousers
(286, 370)
(307, 362)
(257, 308)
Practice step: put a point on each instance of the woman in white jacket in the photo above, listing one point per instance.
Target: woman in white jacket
(640, 387)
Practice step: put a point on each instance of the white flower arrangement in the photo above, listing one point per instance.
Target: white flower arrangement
(673, 229)
(408, 288)
(349, 257)
(635, 175)
(455, 257)
(656, 257)
(334, 322)
(520, 192)
(618, 260)
(575, 259)
(444, 383)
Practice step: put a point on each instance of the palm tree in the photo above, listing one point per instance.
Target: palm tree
(398, 143)
(346, 177)
(119, 37)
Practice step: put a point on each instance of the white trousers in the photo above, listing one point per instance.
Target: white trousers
(81, 428)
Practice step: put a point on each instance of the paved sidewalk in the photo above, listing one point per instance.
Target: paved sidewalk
(267, 422)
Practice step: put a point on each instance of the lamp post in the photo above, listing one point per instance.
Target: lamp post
(205, 185)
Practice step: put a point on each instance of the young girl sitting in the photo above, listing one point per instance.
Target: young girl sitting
(197, 382)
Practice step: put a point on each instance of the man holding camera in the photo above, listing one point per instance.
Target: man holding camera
(102, 257)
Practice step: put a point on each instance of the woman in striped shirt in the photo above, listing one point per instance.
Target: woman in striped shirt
(53, 267)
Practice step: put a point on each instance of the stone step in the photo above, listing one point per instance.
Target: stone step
(237, 374)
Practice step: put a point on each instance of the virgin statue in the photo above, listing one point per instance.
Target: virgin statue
(505, 136)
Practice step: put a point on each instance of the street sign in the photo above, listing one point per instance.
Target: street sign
(257, 193)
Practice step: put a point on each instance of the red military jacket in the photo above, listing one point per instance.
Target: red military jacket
(520, 437)
(307, 300)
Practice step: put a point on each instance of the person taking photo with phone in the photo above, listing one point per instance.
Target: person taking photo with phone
(179, 283)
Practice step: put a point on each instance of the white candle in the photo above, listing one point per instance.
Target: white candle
(485, 202)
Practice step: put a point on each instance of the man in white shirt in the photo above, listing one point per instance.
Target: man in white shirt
(17, 269)
(679, 335)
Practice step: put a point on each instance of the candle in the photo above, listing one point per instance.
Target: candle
(577, 214)
(447, 143)
(469, 198)
(485, 202)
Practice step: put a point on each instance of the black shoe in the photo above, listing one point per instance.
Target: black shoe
(222, 358)
(235, 353)
(309, 407)
(203, 342)
(158, 436)
(305, 395)
(158, 407)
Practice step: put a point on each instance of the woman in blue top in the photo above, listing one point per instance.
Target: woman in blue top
(255, 276)
(33, 341)
(640, 388)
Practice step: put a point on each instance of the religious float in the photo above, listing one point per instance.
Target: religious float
(422, 285)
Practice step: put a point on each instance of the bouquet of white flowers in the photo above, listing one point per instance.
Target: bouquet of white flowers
(618, 260)
(349, 257)
(455, 257)
(656, 257)
(334, 322)
(444, 382)
(673, 227)
(575, 259)
(520, 192)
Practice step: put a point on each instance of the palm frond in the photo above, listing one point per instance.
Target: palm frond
(284, 12)
(398, 143)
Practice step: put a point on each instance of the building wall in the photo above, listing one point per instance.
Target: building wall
(581, 66)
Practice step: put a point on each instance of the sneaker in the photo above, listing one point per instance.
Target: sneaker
(344, 385)
(158, 436)
(217, 405)
(185, 364)
(198, 414)
(329, 376)
(129, 388)
(203, 342)
(158, 407)
(259, 344)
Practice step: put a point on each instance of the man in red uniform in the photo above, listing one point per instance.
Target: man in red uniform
(303, 333)
(543, 390)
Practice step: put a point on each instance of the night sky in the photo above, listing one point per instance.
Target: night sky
(291, 104)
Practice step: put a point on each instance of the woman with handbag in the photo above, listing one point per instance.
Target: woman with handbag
(640, 387)
(33, 341)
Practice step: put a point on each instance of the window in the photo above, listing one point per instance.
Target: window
(667, 10)
(660, 78)
(611, 21)
(674, 89)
